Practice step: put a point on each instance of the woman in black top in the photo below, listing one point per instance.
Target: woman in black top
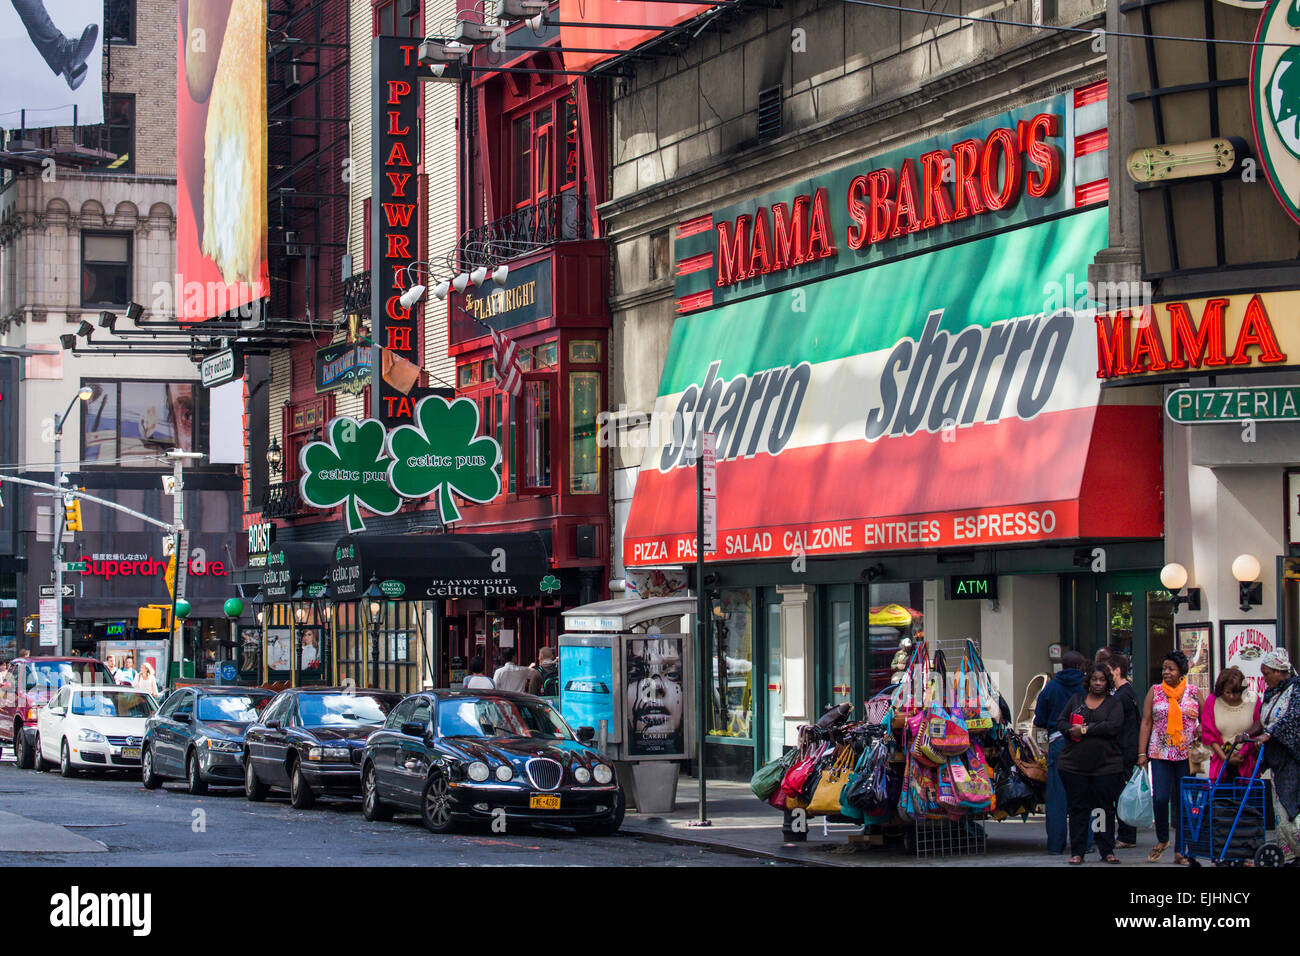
(1126, 835)
(1092, 765)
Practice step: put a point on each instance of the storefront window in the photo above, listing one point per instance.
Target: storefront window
(733, 666)
(894, 625)
(250, 654)
(537, 433)
(775, 676)
(841, 620)
(584, 453)
(1290, 629)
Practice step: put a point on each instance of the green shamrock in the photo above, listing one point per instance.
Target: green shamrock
(1284, 96)
(550, 583)
(443, 455)
(351, 468)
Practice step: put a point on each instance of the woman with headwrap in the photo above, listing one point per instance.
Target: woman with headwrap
(1279, 719)
(1171, 723)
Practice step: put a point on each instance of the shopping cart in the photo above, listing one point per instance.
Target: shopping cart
(1225, 823)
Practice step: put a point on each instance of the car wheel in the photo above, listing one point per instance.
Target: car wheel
(436, 804)
(254, 789)
(197, 787)
(603, 829)
(372, 808)
(300, 795)
(22, 752)
(150, 779)
(38, 762)
(65, 761)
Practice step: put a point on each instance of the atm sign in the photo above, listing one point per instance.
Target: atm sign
(973, 587)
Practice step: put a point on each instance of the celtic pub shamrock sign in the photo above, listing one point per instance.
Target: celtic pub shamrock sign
(362, 465)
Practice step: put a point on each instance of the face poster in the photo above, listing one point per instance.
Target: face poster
(221, 157)
(1242, 644)
(656, 698)
(309, 656)
(586, 686)
(279, 648)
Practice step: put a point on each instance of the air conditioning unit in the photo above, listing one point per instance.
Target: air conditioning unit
(291, 247)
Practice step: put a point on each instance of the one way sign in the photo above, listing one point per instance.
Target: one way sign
(47, 590)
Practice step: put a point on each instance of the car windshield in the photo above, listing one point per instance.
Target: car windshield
(341, 710)
(241, 708)
(497, 717)
(102, 703)
(57, 673)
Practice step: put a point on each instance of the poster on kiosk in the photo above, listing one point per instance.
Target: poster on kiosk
(634, 675)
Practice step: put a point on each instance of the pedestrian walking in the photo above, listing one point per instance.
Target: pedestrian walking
(1280, 722)
(1171, 723)
(548, 668)
(511, 676)
(1051, 702)
(477, 680)
(1091, 763)
(1118, 663)
(1226, 717)
(146, 681)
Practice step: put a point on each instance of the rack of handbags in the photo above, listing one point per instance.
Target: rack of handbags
(938, 745)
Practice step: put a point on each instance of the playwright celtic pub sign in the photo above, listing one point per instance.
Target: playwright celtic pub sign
(1275, 100)
(363, 465)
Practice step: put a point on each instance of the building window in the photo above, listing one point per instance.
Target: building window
(132, 424)
(398, 18)
(105, 269)
(119, 22)
(303, 423)
(584, 450)
(116, 135)
(569, 171)
(538, 433)
(533, 155)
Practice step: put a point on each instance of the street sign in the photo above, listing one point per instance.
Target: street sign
(221, 367)
(228, 671)
(709, 487)
(1205, 406)
(49, 625)
(47, 590)
(74, 566)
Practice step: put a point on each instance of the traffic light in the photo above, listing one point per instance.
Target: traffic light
(155, 617)
(73, 512)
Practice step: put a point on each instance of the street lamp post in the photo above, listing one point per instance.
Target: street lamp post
(83, 395)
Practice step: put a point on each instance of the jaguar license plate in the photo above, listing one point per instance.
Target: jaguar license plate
(544, 801)
(130, 753)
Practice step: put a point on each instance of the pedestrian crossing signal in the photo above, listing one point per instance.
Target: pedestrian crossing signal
(155, 617)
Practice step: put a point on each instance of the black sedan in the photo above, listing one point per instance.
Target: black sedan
(309, 742)
(198, 736)
(461, 756)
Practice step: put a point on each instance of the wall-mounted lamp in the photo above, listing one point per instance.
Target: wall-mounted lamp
(1174, 577)
(1245, 568)
(874, 571)
(274, 456)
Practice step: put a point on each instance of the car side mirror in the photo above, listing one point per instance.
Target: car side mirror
(586, 734)
(413, 730)
(272, 725)
(182, 718)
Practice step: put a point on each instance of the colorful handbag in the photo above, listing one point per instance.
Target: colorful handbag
(826, 797)
(942, 733)
(1033, 768)
(767, 779)
(971, 697)
(914, 687)
(790, 792)
(970, 780)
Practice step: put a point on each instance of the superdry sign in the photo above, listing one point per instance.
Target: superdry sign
(1013, 168)
(395, 154)
(942, 400)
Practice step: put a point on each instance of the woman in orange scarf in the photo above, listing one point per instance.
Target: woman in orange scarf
(1171, 723)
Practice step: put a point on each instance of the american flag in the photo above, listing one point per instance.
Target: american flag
(505, 353)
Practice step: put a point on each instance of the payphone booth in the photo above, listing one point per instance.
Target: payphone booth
(627, 671)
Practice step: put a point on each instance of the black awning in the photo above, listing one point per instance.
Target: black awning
(289, 562)
(421, 566)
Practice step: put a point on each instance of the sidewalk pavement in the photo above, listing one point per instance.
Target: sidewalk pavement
(24, 835)
(742, 823)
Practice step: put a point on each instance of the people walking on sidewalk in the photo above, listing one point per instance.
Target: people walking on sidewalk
(510, 676)
(1280, 721)
(1091, 764)
(1051, 703)
(1226, 717)
(477, 680)
(1171, 723)
(1117, 664)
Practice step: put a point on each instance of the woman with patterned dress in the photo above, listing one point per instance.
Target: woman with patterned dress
(1171, 723)
(1279, 719)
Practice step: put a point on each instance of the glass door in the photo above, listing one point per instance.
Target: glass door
(774, 717)
(1135, 616)
(837, 674)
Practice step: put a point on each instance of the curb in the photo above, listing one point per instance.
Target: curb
(658, 836)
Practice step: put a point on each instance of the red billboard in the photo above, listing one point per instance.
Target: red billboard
(221, 157)
(656, 16)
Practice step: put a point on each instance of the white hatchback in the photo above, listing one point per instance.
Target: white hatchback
(92, 726)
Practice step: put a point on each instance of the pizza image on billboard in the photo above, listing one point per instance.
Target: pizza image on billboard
(221, 157)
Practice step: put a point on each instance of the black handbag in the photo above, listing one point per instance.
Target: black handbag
(1013, 793)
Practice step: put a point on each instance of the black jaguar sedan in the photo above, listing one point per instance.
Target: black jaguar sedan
(462, 756)
(309, 741)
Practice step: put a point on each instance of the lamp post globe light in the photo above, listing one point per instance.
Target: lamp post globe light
(83, 395)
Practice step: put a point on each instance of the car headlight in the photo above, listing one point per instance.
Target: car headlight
(603, 773)
(223, 746)
(478, 771)
(582, 775)
(327, 753)
(91, 736)
(505, 773)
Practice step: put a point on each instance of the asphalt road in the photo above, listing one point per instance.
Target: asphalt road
(168, 827)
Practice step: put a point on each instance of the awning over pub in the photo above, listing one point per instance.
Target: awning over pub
(422, 566)
(948, 400)
(289, 562)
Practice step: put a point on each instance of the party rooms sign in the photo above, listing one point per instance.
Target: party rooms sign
(942, 400)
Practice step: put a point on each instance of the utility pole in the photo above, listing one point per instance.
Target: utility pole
(60, 512)
(181, 550)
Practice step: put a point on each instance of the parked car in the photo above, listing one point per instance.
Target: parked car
(198, 736)
(464, 755)
(28, 685)
(309, 742)
(92, 726)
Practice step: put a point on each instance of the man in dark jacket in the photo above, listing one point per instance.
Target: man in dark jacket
(1118, 664)
(1051, 702)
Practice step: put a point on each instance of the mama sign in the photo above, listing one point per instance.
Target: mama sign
(363, 464)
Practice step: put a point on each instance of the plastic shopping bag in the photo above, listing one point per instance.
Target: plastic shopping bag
(1135, 806)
